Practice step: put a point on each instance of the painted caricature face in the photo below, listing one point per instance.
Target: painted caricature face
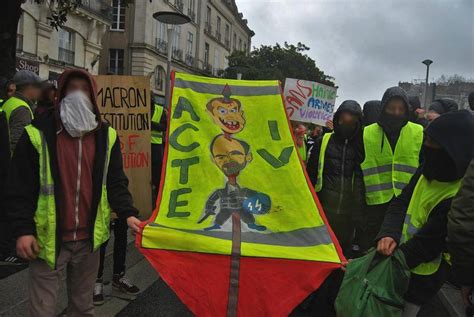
(230, 155)
(227, 115)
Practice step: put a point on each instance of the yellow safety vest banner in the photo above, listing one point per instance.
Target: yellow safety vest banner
(234, 187)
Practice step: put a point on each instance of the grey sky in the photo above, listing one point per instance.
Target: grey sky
(370, 45)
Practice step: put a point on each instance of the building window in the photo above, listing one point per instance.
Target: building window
(177, 53)
(240, 44)
(218, 29)
(245, 47)
(189, 50)
(206, 56)
(234, 43)
(217, 61)
(191, 12)
(66, 46)
(227, 36)
(160, 75)
(116, 61)
(160, 40)
(208, 18)
(118, 16)
(19, 35)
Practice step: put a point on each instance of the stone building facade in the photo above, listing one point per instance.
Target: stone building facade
(78, 43)
(137, 43)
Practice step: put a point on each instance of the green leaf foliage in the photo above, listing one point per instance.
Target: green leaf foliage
(276, 62)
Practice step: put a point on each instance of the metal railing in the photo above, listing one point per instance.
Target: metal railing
(161, 45)
(177, 54)
(66, 56)
(189, 60)
(116, 70)
(208, 28)
(98, 7)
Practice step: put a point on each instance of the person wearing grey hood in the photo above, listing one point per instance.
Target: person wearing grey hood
(440, 107)
(391, 155)
(19, 107)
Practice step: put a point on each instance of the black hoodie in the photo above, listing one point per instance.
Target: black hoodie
(454, 132)
(393, 131)
(371, 112)
(342, 191)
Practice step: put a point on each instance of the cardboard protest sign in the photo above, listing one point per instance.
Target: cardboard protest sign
(235, 208)
(309, 101)
(124, 102)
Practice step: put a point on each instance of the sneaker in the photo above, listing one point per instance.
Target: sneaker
(99, 297)
(123, 287)
(11, 260)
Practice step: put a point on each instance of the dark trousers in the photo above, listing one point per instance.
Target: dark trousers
(343, 228)
(120, 228)
(375, 217)
(157, 151)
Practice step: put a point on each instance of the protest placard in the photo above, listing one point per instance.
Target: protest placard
(235, 208)
(124, 102)
(309, 101)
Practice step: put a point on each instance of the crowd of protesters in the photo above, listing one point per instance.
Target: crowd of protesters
(390, 175)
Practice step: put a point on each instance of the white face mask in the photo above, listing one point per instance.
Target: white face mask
(77, 114)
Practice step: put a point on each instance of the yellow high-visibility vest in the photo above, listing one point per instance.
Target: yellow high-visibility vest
(426, 195)
(387, 172)
(157, 136)
(45, 214)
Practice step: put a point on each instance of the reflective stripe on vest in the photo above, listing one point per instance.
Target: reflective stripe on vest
(387, 172)
(157, 136)
(426, 195)
(12, 104)
(322, 153)
(45, 214)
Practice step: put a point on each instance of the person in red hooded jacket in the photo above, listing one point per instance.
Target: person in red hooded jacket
(65, 178)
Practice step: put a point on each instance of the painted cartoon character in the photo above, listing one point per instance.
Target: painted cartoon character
(232, 156)
(227, 113)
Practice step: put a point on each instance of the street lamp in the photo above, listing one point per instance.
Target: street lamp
(170, 18)
(427, 62)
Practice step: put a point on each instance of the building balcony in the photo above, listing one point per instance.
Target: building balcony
(207, 68)
(192, 15)
(161, 45)
(208, 29)
(177, 54)
(98, 7)
(116, 71)
(180, 5)
(189, 60)
(66, 56)
(227, 44)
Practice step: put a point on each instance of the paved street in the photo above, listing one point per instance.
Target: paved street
(156, 298)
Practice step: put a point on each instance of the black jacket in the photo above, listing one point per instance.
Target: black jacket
(461, 231)
(23, 180)
(454, 133)
(342, 191)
